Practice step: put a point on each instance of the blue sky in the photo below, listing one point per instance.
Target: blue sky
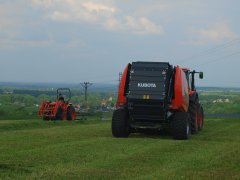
(92, 40)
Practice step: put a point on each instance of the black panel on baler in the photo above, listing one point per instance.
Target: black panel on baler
(148, 78)
(148, 91)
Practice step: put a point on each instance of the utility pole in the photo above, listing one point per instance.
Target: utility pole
(86, 85)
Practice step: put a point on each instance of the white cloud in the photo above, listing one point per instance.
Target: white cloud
(133, 25)
(10, 24)
(90, 6)
(45, 3)
(101, 13)
(217, 33)
(143, 25)
(11, 43)
(153, 8)
(9, 20)
(113, 24)
(60, 16)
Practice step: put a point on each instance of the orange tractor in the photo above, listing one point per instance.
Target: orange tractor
(157, 96)
(61, 109)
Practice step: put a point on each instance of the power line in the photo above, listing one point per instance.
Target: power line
(106, 81)
(211, 50)
(219, 59)
(104, 78)
(231, 82)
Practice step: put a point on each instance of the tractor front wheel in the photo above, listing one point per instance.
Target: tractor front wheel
(45, 118)
(181, 126)
(201, 118)
(120, 123)
(193, 111)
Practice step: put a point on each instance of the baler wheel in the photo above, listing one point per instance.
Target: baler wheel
(120, 123)
(181, 126)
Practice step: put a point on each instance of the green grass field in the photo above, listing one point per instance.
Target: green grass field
(33, 149)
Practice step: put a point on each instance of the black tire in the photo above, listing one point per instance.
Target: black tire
(120, 123)
(181, 126)
(70, 112)
(201, 118)
(45, 118)
(193, 111)
(59, 114)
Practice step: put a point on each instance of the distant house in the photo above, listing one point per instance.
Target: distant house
(221, 101)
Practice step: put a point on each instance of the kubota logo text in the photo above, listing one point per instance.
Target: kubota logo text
(147, 85)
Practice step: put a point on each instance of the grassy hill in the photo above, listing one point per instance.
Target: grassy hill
(33, 149)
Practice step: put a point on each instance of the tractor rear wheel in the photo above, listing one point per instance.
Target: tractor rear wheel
(193, 111)
(59, 114)
(181, 126)
(71, 113)
(120, 123)
(201, 118)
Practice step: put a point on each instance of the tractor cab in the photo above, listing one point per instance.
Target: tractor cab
(190, 75)
(60, 98)
(64, 94)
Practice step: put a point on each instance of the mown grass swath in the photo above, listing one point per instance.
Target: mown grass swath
(86, 150)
